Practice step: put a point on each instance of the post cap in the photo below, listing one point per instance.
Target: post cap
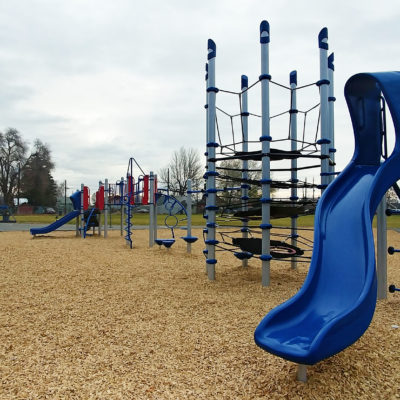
(264, 32)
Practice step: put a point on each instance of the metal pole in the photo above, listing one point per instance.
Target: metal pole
(189, 214)
(294, 179)
(155, 209)
(331, 100)
(381, 253)
(105, 207)
(324, 108)
(82, 214)
(168, 182)
(207, 168)
(151, 209)
(121, 197)
(65, 197)
(100, 211)
(245, 164)
(265, 146)
(211, 173)
(18, 184)
(301, 373)
(78, 219)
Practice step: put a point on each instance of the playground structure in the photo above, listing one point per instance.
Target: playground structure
(312, 325)
(176, 214)
(246, 240)
(85, 216)
(130, 195)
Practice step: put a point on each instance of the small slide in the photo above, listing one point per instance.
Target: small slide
(337, 301)
(56, 224)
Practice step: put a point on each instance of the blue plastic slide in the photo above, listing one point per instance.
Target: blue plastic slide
(55, 225)
(337, 301)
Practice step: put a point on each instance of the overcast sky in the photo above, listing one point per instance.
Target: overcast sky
(100, 81)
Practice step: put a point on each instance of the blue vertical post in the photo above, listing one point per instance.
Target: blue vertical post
(151, 210)
(106, 192)
(155, 227)
(82, 215)
(189, 215)
(324, 108)
(100, 212)
(245, 164)
(265, 146)
(331, 101)
(381, 250)
(121, 201)
(293, 175)
(206, 154)
(211, 172)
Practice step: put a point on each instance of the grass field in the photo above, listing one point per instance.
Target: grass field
(197, 220)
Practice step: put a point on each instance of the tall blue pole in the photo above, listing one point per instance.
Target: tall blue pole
(265, 146)
(211, 173)
(324, 108)
(206, 154)
(106, 190)
(151, 209)
(245, 164)
(82, 219)
(189, 215)
(293, 140)
(331, 100)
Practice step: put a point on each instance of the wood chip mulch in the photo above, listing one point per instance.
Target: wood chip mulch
(92, 319)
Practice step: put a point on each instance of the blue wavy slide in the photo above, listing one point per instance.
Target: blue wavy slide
(56, 224)
(337, 301)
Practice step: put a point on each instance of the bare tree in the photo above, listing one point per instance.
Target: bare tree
(231, 176)
(185, 164)
(12, 157)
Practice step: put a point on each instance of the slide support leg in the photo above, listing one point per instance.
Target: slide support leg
(301, 373)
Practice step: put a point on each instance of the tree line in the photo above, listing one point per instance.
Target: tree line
(26, 174)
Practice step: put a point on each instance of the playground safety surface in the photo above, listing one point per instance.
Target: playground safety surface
(92, 319)
(12, 227)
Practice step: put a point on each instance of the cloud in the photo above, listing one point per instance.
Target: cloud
(101, 81)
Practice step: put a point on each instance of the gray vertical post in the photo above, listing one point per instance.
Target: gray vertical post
(100, 211)
(121, 196)
(381, 253)
(77, 226)
(77, 220)
(211, 172)
(65, 189)
(155, 225)
(189, 214)
(324, 108)
(245, 164)
(106, 189)
(151, 209)
(82, 214)
(205, 176)
(265, 146)
(301, 373)
(331, 101)
(293, 175)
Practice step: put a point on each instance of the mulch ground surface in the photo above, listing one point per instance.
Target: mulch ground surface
(92, 319)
